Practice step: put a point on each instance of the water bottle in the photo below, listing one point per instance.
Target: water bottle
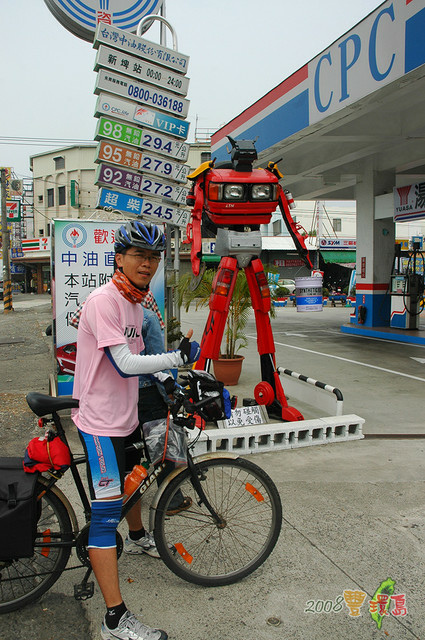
(133, 480)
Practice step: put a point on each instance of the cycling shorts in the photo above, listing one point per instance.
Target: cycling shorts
(108, 462)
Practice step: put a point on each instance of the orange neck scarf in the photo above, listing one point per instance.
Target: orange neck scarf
(127, 289)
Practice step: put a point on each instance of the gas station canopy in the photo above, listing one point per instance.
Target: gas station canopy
(361, 99)
(350, 125)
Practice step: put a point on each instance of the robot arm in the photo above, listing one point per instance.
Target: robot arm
(293, 228)
(195, 199)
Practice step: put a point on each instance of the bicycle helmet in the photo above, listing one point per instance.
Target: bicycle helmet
(135, 233)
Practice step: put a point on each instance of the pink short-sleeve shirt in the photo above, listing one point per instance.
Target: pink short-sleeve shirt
(107, 401)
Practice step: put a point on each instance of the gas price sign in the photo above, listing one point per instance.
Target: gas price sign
(145, 207)
(148, 163)
(129, 180)
(141, 130)
(120, 132)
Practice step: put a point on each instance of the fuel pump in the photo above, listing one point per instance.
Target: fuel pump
(407, 287)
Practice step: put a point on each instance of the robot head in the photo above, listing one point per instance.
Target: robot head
(237, 194)
(242, 154)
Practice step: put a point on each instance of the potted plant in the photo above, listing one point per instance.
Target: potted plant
(234, 337)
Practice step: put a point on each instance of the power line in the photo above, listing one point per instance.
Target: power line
(41, 141)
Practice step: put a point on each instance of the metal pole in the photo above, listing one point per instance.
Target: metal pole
(171, 270)
(7, 285)
(163, 33)
(173, 308)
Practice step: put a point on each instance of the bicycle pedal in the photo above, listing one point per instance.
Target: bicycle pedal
(84, 591)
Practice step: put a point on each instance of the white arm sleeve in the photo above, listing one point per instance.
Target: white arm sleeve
(131, 364)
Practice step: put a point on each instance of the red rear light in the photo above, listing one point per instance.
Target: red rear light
(263, 284)
(223, 282)
(40, 423)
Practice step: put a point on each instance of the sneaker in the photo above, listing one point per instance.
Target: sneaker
(144, 545)
(185, 504)
(130, 628)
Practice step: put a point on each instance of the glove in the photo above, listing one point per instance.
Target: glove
(169, 385)
(189, 351)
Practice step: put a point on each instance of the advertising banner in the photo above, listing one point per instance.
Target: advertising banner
(13, 210)
(337, 243)
(142, 93)
(409, 202)
(136, 113)
(83, 259)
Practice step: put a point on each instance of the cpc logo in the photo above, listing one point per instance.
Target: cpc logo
(106, 106)
(74, 235)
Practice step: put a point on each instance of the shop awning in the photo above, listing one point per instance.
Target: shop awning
(339, 257)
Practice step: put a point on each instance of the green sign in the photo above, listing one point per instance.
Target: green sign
(74, 190)
(13, 210)
(118, 131)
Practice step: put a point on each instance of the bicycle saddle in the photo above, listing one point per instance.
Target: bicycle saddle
(42, 404)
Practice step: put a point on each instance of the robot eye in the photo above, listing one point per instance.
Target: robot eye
(262, 192)
(234, 192)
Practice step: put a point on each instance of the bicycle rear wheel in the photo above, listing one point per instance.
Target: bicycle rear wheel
(198, 550)
(23, 580)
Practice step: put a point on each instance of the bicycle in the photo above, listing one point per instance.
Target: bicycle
(229, 530)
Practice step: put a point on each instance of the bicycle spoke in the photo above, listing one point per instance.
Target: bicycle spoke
(250, 514)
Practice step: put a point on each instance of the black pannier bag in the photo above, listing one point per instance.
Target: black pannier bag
(18, 510)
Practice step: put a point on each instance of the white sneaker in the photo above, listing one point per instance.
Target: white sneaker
(144, 545)
(130, 628)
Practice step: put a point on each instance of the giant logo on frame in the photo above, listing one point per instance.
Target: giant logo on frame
(82, 17)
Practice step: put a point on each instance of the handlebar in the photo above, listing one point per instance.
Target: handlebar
(184, 399)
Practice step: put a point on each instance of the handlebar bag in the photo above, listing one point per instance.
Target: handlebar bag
(165, 440)
(18, 510)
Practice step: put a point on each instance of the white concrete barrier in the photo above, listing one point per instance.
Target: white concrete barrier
(281, 436)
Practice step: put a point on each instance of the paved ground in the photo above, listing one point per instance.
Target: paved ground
(353, 512)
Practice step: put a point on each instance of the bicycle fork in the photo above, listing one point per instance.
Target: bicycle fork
(202, 497)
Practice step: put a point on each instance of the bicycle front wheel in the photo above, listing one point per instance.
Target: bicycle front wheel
(23, 580)
(201, 551)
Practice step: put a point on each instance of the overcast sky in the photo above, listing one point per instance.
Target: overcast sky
(239, 50)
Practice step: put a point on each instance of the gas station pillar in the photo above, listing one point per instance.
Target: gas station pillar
(375, 250)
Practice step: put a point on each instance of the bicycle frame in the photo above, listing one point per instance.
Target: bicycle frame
(215, 487)
(136, 496)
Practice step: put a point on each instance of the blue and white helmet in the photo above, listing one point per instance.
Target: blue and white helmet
(135, 233)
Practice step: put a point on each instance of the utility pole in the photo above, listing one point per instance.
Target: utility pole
(7, 284)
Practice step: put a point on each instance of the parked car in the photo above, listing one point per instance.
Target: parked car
(1, 290)
(66, 357)
(287, 283)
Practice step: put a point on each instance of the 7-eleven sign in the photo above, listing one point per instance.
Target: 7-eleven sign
(13, 210)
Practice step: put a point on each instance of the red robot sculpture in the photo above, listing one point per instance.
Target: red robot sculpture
(234, 199)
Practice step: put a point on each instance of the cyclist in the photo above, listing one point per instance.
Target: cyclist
(108, 364)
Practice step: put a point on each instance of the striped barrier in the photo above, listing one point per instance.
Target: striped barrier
(313, 392)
